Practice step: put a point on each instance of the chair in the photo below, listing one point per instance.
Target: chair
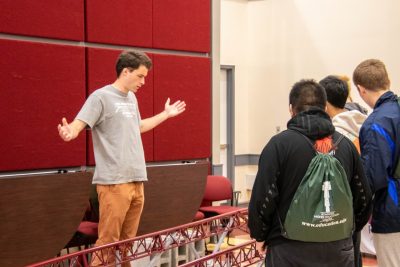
(199, 216)
(87, 232)
(85, 235)
(219, 188)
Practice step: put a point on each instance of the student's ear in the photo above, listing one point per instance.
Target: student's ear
(291, 110)
(329, 109)
(360, 89)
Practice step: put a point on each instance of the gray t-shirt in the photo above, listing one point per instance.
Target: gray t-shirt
(118, 150)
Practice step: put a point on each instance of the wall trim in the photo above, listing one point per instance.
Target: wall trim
(246, 159)
(230, 127)
(217, 169)
(49, 40)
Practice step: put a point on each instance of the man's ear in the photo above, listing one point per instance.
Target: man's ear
(291, 110)
(361, 89)
(329, 109)
(125, 71)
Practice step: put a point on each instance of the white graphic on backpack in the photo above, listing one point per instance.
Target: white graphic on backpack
(326, 187)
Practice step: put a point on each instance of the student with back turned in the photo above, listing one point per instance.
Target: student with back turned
(380, 152)
(283, 163)
(346, 122)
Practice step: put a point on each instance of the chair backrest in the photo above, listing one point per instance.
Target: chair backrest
(217, 188)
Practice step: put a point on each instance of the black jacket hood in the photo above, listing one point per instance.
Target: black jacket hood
(314, 123)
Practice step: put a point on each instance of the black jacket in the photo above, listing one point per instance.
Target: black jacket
(282, 165)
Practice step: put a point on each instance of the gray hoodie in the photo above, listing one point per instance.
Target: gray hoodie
(349, 123)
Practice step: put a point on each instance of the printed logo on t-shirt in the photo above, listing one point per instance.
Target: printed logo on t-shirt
(125, 109)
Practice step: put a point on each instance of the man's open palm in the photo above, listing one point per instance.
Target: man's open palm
(175, 109)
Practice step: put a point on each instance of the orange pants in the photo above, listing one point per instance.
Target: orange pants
(120, 208)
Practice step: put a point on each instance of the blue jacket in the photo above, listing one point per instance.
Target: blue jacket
(380, 149)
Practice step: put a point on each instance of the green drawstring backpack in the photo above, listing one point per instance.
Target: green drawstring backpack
(322, 207)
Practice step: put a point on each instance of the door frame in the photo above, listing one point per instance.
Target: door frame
(230, 120)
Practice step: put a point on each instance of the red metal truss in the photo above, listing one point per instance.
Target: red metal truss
(146, 245)
(242, 255)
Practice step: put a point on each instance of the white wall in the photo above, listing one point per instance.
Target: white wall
(291, 40)
(275, 43)
(234, 49)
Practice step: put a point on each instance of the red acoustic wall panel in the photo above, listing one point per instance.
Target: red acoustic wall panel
(182, 25)
(101, 71)
(124, 22)
(41, 83)
(62, 19)
(187, 136)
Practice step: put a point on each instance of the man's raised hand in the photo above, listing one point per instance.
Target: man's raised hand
(175, 109)
(65, 131)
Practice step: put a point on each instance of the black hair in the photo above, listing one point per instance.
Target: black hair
(132, 59)
(337, 90)
(306, 94)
